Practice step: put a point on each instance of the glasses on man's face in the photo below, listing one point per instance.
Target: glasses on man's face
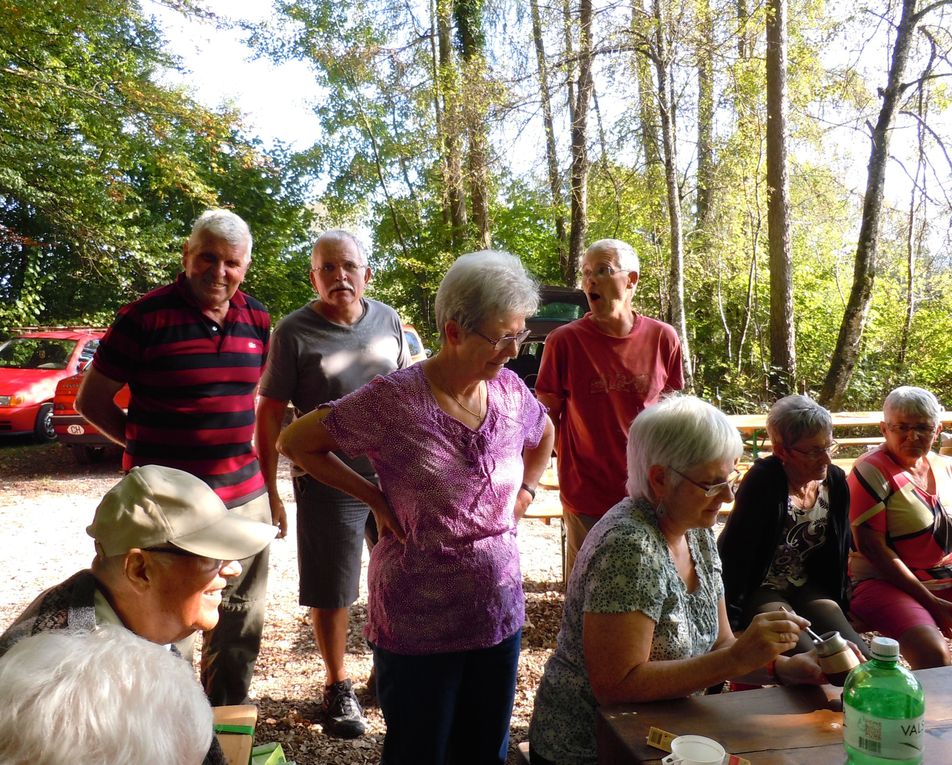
(922, 430)
(820, 451)
(348, 267)
(601, 272)
(503, 342)
(713, 489)
(209, 563)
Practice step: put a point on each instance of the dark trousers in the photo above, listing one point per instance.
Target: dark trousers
(448, 708)
(822, 611)
(230, 650)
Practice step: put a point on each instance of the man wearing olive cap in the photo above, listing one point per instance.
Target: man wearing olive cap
(165, 547)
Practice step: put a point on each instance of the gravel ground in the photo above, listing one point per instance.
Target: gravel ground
(46, 501)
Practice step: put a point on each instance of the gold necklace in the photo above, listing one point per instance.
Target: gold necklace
(478, 415)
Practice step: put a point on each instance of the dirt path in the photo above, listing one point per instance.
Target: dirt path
(46, 501)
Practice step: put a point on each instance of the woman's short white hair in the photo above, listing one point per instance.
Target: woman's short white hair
(679, 432)
(222, 224)
(624, 253)
(794, 417)
(106, 696)
(913, 402)
(485, 285)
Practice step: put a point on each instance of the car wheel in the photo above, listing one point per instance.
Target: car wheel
(43, 431)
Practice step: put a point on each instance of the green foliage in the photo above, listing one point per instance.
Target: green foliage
(102, 169)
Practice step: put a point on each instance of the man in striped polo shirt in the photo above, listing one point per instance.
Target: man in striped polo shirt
(192, 353)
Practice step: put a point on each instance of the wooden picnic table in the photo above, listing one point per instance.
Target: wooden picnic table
(753, 427)
(795, 725)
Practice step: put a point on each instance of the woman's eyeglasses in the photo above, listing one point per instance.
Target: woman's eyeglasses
(815, 454)
(921, 430)
(502, 342)
(712, 489)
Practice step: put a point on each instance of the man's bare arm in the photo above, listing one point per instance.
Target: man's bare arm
(268, 419)
(95, 401)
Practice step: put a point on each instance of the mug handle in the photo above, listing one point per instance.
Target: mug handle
(671, 759)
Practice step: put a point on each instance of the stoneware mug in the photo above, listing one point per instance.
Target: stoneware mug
(694, 750)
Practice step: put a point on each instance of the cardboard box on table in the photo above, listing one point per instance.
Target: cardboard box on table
(235, 728)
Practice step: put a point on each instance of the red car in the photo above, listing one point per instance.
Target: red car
(31, 364)
(74, 430)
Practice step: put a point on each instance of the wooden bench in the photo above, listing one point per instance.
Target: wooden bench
(547, 510)
(522, 753)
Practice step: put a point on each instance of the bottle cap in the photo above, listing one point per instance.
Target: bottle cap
(884, 648)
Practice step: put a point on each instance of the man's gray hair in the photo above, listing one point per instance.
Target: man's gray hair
(623, 252)
(913, 402)
(222, 224)
(679, 432)
(342, 235)
(105, 696)
(794, 417)
(485, 285)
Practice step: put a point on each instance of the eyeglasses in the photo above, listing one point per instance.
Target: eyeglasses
(921, 430)
(348, 267)
(815, 454)
(212, 563)
(502, 342)
(713, 489)
(602, 272)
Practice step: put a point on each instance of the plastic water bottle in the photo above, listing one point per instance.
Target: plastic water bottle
(883, 710)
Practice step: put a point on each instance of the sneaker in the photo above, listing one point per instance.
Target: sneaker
(343, 717)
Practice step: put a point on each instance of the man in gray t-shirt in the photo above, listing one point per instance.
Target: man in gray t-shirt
(318, 353)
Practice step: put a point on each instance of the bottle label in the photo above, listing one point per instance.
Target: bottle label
(883, 737)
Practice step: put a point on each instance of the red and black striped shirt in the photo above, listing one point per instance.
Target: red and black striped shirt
(193, 386)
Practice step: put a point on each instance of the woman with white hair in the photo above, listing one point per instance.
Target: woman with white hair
(105, 697)
(459, 444)
(644, 615)
(901, 515)
(787, 539)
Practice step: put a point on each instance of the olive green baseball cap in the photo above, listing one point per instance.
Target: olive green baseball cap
(155, 505)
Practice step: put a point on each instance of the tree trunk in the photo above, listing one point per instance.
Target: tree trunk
(864, 267)
(705, 121)
(743, 41)
(452, 127)
(913, 240)
(782, 375)
(580, 163)
(551, 151)
(469, 31)
(665, 109)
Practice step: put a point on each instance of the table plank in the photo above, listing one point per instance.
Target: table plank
(771, 726)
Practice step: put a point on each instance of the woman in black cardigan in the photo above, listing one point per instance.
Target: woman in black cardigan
(787, 539)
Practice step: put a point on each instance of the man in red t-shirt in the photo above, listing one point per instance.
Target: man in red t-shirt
(596, 375)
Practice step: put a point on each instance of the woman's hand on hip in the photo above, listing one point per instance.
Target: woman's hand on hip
(387, 522)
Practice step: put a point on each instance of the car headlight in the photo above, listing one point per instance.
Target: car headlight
(14, 400)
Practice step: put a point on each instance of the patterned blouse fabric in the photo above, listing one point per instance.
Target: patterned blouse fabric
(916, 524)
(623, 566)
(456, 584)
(804, 531)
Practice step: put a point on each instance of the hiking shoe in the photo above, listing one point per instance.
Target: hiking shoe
(343, 717)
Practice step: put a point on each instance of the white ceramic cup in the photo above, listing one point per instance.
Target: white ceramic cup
(695, 750)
